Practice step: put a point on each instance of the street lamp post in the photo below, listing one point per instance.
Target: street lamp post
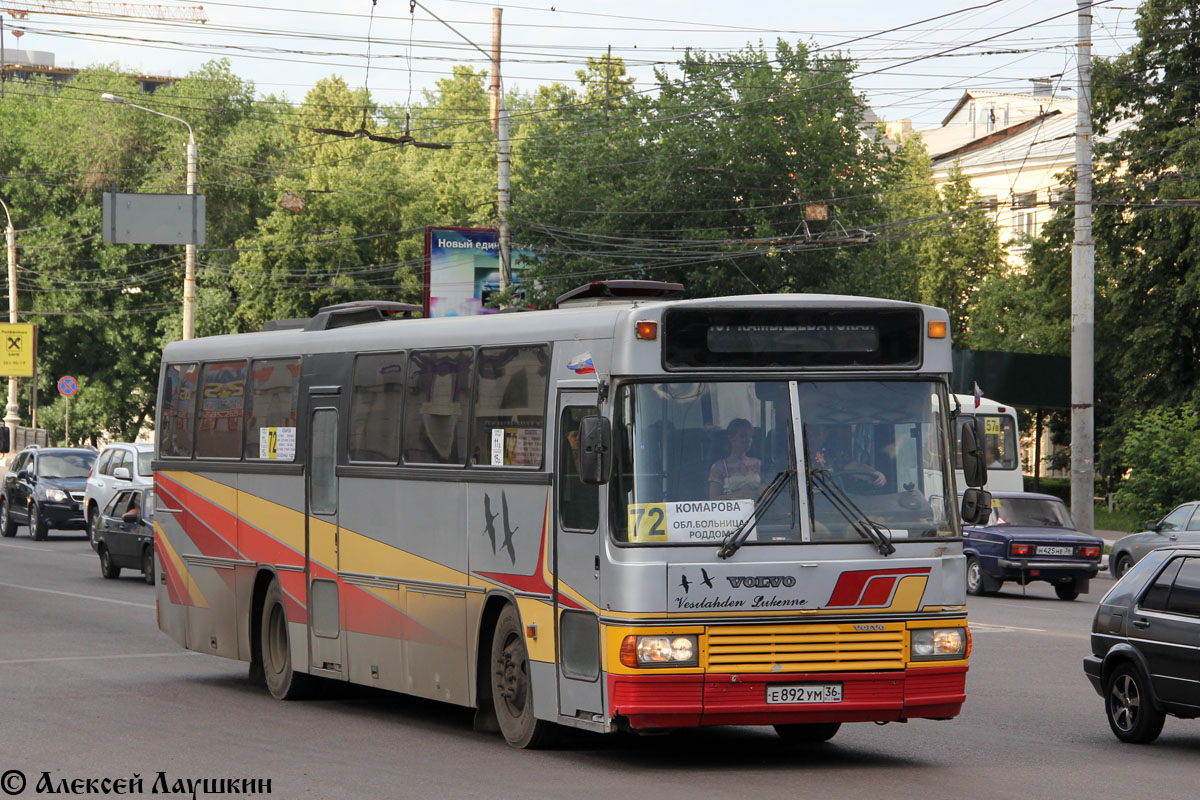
(12, 415)
(189, 260)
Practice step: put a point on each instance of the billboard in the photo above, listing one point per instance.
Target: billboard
(462, 270)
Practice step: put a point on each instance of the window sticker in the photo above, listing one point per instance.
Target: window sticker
(277, 443)
(687, 521)
(497, 447)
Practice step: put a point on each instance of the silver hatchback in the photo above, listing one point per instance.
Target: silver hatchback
(1181, 526)
(120, 465)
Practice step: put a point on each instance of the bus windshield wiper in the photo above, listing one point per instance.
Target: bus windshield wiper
(738, 536)
(867, 528)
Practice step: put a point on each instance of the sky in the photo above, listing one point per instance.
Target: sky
(915, 57)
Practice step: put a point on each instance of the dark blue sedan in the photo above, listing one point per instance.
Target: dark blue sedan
(1030, 537)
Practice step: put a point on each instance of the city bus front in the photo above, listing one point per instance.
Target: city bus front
(784, 547)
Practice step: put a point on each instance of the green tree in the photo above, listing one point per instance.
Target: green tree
(1162, 451)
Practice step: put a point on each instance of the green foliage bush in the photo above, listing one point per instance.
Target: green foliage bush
(1162, 450)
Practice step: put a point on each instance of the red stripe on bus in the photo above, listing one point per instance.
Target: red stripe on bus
(848, 591)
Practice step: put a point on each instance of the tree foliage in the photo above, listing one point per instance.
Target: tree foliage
(1162, 452)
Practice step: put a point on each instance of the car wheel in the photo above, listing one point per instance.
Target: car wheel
(93, 520)
(107, 568)
(1066, 591)
(512, 691)
(1121, 565)
(148, 564)
(979, 582)
(811, 733)
(1131, 712)
(283, 682)
(38, 528)
(8, 528)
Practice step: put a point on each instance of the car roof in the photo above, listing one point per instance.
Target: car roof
(60, 450)
(1023, 496)
(1179, 548)
(141, 446)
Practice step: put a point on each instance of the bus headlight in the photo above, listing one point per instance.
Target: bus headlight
(934, 643)
(660, 651)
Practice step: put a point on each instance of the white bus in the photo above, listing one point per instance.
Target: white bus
(628, 513)
(996, 427)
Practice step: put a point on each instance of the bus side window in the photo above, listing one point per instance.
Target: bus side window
(578, 502)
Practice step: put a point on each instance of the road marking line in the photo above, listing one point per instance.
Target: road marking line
(91, 658)
(983, 626)
(79, 596)
(45, 550)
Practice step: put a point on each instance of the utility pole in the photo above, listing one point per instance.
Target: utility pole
(504, 193)
(12, 415)
(189, 252)
(1083, 287)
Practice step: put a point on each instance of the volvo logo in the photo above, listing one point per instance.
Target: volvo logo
(866, 628)
(760, 581)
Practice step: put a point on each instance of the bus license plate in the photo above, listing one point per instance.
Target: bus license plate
(1044, 550)
(804, 693)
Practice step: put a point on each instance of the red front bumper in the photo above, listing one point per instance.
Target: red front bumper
(684, 701)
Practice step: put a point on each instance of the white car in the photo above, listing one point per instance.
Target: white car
(119, 466)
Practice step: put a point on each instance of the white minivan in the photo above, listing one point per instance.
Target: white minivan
(119, 466)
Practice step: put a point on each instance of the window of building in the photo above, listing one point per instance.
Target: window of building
(510, 405)
(436, 406)
(1025, 214)
(178, 410)
(271, 409)
(375, 408)
(222, 405)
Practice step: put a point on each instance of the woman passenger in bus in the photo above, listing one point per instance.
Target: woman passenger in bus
(738, 475)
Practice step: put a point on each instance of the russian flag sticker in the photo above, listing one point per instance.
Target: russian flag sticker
(582, 364)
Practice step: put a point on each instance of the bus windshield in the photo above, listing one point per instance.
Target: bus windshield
(693, 458)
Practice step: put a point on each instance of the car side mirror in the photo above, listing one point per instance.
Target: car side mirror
(973, 465)
(595, 449)
(1155, 526)
(25, 475)
(121, 473)
(976, 506)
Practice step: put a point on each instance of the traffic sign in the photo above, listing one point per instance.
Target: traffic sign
(67, 386)
(16, 349)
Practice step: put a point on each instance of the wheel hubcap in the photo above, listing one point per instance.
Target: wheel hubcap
(512, 683)
(1125, 702)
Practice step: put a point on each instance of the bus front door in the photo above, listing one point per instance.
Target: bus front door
(576, 567)
(327, 644)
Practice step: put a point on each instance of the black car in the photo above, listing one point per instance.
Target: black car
(1146, 644)
(44, 489)
(125, 534)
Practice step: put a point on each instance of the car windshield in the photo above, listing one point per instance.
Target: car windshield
(65, 465)
(693, 459)
(143, 463)
(1034, 512)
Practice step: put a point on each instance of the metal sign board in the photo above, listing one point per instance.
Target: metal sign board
(67, 386)
(16, 349)
(153, 218)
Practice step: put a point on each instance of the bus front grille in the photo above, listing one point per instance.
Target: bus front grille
(804, 648)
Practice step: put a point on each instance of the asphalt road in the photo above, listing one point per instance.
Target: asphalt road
(89, 688)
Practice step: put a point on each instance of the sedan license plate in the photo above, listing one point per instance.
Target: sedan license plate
(1046, 550)
(804, 693)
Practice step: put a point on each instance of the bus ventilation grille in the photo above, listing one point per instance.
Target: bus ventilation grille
(803, 648)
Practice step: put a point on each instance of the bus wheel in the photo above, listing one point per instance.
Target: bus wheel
(511, 689)
(283, 682)
(812, 733)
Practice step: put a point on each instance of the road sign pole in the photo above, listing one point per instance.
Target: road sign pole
(67, 422)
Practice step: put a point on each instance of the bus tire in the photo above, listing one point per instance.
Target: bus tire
(808, 733)
(512, 692)
(283, 682)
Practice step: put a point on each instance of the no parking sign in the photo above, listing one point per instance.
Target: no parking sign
(67, 386)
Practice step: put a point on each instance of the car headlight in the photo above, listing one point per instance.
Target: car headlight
(934, 643)
(56, 495)
(660, 651)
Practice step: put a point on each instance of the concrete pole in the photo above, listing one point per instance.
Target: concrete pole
(1083, 283)
(189, 258)
(12, 413)
(504, 193)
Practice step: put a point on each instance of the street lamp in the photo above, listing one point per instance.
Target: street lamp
(12, 415)
(189, 263)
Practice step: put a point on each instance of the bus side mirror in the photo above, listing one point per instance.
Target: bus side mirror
(973, 466)
(976, 506)
(595, 449)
